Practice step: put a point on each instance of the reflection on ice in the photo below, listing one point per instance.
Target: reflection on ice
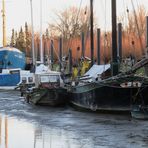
(13, 134)
(21, 134)
(28, 126)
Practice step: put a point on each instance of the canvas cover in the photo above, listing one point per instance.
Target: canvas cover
(95, 71)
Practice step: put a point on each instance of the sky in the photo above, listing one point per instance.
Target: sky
(18, 12)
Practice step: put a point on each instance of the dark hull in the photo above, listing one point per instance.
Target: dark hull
(139, 112)
(45, 96)
(95, 97)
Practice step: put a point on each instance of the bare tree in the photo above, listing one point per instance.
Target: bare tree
(136, 21)
(134, 31)
(70, 23)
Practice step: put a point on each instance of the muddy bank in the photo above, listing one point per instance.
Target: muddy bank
(65, 127)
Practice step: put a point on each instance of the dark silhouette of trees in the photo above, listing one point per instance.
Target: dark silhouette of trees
(21, 40)
(27, 41)
(12, 42)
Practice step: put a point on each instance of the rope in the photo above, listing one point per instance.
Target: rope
(125, 22)
(136, 21)
(105, 37)
(139, 13)
(57, 55)
(121, 79)
(140, 90)
(128, 31)
(87, 33)
(77, 16)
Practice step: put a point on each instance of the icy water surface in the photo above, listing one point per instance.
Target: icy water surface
(26, 126)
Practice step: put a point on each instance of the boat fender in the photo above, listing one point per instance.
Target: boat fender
(56, 86)
(73, 83)
(123, 85)
(93, 107)
(126, 84)
(136, 84)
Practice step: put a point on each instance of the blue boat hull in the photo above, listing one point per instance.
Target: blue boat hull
(12, 58)
(9, 79)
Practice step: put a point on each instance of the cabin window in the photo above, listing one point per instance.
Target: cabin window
(50, 78)
(24, 80)
(30, 79)
(44, 79)
(14, 71)
(54, 79)
(9, 63)
(1, 63)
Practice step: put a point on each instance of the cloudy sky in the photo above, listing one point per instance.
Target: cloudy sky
(18, 12)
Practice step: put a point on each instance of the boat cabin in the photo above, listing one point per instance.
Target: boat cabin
(49, 80)
(27, 77)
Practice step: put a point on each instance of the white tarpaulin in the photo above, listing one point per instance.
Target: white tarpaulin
(95, 71)
(41, 68)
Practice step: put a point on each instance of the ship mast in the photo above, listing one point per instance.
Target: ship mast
(114, 39)
(32, 29)
(4, 23)
(91, 33)
(41, 40)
